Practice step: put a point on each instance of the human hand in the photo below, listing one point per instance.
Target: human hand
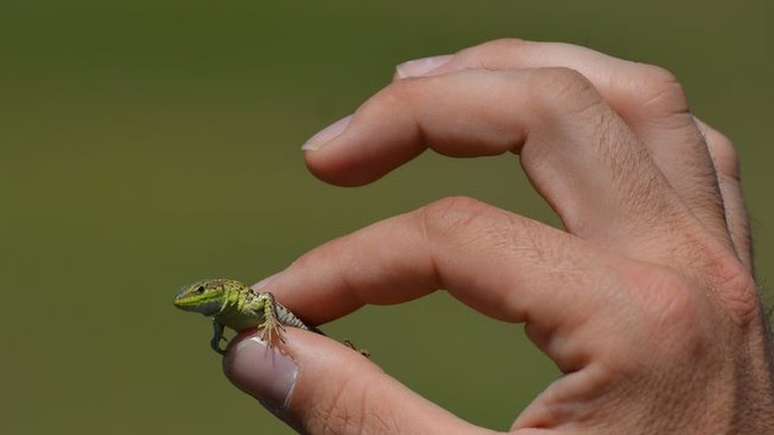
(646, 302)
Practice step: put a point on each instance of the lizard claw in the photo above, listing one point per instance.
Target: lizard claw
(363, 352)
(270, 331)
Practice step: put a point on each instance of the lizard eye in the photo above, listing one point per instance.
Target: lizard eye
(200, 290)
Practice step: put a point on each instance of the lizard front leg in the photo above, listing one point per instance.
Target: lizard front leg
(217, 337)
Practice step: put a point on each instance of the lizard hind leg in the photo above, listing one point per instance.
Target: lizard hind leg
(271, 328)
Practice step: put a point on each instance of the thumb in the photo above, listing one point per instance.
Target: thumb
(317, 385)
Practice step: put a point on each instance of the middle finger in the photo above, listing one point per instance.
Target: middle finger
(577, 151)
(648, 98)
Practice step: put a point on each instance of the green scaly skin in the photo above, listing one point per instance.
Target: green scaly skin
(233, 304)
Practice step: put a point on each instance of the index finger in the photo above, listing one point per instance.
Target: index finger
(503, 265)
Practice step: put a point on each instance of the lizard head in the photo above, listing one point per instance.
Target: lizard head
(206, 297)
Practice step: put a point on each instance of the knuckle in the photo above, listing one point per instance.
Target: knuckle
(676, 313)
(398, 94)
(661, 90)
(374, 417)
(350, 409)
(490, 55)
(503, 43)
(496, 47)
(563, 80)
(472, 224)
(451, 214)
(656, 74)
(329, 416)
(682, 315)
(564, 89)
(734, 285)
(338, 249)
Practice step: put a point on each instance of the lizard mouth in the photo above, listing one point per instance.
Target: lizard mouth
(206, 304)
(181, 292)
(181, 303)
(184, 300)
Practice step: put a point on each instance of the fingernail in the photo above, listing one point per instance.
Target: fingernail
(329, 133)
(420, 67)
(262, 372)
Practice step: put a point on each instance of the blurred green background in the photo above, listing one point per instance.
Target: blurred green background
(150, 143)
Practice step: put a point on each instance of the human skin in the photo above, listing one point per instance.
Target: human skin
(646, 300)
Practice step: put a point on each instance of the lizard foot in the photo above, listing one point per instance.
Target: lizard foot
(363, 352)
(272, 330)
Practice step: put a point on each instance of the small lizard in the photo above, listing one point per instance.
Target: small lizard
(233, 304)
